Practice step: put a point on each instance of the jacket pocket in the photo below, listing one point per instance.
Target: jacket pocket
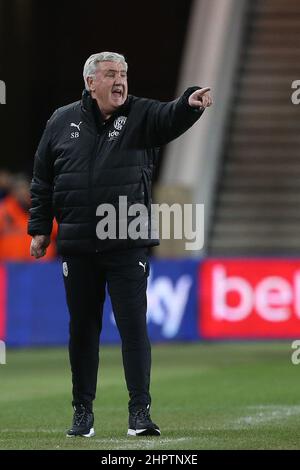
(146, 179)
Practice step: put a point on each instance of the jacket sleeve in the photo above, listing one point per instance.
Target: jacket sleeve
(167, 121)
(41, 212)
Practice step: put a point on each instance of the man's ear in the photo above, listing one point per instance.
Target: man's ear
(90, 82)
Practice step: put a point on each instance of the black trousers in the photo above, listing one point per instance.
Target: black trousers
(85, 278)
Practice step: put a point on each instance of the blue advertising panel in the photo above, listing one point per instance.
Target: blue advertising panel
(37, 313)
(36, 307)
(172, 303)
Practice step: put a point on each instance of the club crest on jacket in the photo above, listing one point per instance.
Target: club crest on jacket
(119, 122)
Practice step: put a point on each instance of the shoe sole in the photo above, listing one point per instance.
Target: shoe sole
(143, 432)
(90, 434)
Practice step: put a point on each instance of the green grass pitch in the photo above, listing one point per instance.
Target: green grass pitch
(205, 396)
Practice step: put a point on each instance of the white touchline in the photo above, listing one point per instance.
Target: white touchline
(265, 414)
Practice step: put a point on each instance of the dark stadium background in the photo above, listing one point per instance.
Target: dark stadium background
(43, 47)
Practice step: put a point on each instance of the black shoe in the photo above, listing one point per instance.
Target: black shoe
(140, 423)
(83, 421)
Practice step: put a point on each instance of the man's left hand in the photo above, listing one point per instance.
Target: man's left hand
(200, 98)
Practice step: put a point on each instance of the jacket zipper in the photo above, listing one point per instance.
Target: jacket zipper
(92, 164)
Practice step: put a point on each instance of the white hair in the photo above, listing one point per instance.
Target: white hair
(92, 62)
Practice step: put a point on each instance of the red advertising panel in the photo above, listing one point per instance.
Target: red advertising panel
(2, 302)
(244, 298)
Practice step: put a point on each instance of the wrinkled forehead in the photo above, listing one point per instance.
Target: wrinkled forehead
(111, 65)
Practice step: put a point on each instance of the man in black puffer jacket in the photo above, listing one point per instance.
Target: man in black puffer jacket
(92, 152)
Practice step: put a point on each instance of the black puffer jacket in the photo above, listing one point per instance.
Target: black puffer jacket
(83, 161)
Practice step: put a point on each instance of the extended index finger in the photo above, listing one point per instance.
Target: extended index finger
(202, 91)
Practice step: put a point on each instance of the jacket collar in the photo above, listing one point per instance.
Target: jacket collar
(90, 107)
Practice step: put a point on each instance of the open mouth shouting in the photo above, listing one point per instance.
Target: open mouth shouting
(118, 93)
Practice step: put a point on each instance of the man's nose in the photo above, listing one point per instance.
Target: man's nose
(120, 80)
